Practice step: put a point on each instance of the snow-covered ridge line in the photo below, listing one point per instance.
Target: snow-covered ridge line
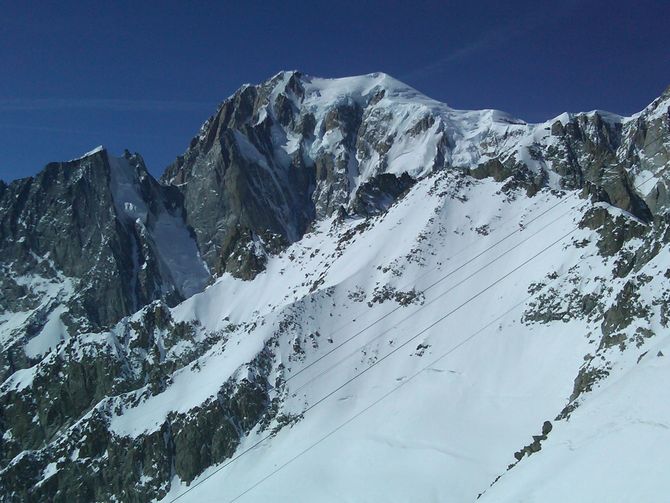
(94, 151)
(362, 86)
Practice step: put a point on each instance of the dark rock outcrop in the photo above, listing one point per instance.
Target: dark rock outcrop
(93, 232)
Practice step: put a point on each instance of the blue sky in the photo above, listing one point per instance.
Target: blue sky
(145, 75)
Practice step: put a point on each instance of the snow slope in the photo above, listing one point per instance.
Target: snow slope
(453, 429)
(448, 433)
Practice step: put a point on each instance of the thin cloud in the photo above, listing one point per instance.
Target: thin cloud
(494, 37)
(489, 39)
(114, 105)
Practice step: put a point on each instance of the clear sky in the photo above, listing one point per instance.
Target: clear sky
(145, 75)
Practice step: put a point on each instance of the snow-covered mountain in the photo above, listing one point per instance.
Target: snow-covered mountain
(344, 291)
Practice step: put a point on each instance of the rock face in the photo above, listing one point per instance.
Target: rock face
(85, 243)
(301, 201)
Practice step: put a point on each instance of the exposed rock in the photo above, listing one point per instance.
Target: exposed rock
(379, 193)
(625, 309)
(586, 379)
(64, 225)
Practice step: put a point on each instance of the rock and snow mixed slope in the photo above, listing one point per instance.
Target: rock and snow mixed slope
(456, 426)
(84, 243)
(413, 303)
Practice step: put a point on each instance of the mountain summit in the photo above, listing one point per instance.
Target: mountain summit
(278, 156)
(343, 290)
